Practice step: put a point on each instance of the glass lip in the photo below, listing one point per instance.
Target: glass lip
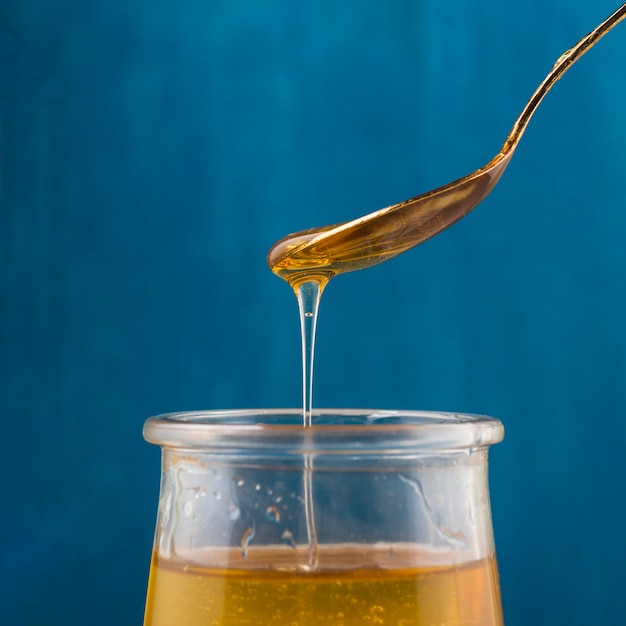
(333, 431)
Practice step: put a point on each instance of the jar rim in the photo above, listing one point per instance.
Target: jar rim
(333, 431)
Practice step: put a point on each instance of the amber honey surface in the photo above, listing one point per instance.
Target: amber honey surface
(191, 595)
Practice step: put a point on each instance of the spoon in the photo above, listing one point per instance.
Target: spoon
(318, 254)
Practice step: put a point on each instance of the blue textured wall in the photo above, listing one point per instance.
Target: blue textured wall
(151, 152)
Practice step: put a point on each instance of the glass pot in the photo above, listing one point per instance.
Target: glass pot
(366, 517)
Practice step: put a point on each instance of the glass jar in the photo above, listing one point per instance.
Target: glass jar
(366, 517)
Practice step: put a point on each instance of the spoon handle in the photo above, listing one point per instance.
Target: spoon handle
(563, 63)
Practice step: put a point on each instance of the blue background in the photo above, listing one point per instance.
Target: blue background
(150, 154)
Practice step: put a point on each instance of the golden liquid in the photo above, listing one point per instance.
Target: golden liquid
(435, 595)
